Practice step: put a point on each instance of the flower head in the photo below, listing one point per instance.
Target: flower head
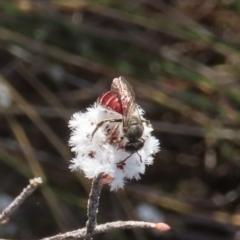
(99, 141)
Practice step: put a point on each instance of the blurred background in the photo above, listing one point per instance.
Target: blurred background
(182, 57)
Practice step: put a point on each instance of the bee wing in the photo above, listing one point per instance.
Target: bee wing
(131, 111)
(127, 97)
(122, 85)
(125, 91)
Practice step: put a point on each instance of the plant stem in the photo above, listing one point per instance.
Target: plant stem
(93, 203)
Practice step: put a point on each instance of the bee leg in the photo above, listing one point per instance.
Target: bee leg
(104, 121)
(139, 157)
(111, 135)
(125, 159)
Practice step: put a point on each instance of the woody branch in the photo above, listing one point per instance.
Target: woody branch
(34, 183)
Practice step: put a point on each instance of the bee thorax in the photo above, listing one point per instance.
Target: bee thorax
(134, 132)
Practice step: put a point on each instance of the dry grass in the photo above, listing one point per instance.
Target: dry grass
(182, 59)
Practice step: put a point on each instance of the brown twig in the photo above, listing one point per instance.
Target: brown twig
(81, 233)
(93, 203)
(34, 183)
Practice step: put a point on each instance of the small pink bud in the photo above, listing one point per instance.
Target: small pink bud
(162, 227)
(106, 179)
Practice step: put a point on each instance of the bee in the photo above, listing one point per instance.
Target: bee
(121, 99)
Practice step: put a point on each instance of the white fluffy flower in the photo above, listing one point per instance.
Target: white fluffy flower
(103, 152)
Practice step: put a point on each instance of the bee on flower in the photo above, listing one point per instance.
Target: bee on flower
(112, 137)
